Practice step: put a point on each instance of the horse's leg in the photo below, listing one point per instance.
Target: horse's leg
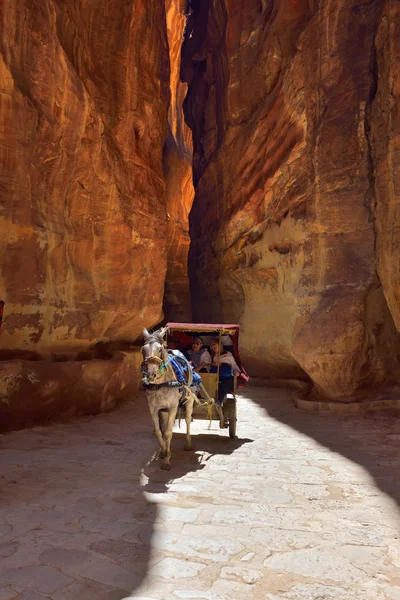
(154, 412)
(188, 418)
(168, 437)
(163, 416)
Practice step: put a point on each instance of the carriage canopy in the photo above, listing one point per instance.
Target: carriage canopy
(184, 333)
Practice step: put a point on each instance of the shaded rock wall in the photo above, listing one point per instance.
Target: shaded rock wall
(385, 150)
(295, 225)
(33, 392)
(178, 176)
(83, 211)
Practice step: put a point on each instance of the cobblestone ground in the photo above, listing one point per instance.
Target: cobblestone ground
(299, 507)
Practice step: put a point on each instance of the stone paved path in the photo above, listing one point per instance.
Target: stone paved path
(299, 507)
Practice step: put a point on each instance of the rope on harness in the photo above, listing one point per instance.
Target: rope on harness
(187, 393)
(207, 404)
(163, 366)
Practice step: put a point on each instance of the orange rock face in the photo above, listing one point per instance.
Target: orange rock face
(84, 101)
(85, 92)
(295, 225)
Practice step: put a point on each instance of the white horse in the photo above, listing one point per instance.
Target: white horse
(163, 393)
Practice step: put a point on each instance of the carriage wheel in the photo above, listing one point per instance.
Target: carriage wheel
(232, 422)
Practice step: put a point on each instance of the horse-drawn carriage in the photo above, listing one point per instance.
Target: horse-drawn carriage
(165, 390)
(228, 337)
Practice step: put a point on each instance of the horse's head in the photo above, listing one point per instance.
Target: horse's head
(153, 352)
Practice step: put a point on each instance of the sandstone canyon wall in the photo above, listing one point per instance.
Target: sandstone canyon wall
(84, 106)
(178, 176)
(294, 107)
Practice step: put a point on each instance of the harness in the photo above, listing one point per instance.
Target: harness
(161, 370)
(186, 377)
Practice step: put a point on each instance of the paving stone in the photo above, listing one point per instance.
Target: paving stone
(213, 549)
(113, 576)
(247, 517)
(30, 595)
(7, 550)
(311, 592)
(136, 558)
(230, 590)
(84, 589)
(314, 563)
(7, 593)
(105, 527)
(40, 578)
(135, 597)
(72, 562)
(177, 513)
(247, 557)
(209, 530)
(197, 595)
(240, 573)
(173, 568)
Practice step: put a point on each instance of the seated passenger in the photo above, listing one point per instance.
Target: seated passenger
(228, 367)
(227, 342)
(200, 356)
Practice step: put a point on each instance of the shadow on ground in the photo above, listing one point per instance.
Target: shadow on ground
(74, 518)
(70, 506)
(371, 440)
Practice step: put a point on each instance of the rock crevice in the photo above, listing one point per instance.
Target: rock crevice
(290, 213)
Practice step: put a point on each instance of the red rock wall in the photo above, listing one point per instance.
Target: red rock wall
(84, 102)
(83, 212)
(178, 176)
(33, 392)
(294, 110)
(385, 145)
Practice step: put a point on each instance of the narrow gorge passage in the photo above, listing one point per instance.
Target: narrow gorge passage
(298, 507)
(294, 226)
(270, 134)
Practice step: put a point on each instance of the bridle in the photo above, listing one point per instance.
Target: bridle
(162, 365)
(160, 361)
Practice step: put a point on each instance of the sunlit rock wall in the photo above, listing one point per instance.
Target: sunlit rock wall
(85, 94)
(84, 106)
(294, 109)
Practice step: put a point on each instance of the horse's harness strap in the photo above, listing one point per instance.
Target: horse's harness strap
(157, 386)
(162, 365)
(154, 358)
(161, 369)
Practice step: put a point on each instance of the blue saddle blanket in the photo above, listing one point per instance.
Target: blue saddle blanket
(181, 367)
